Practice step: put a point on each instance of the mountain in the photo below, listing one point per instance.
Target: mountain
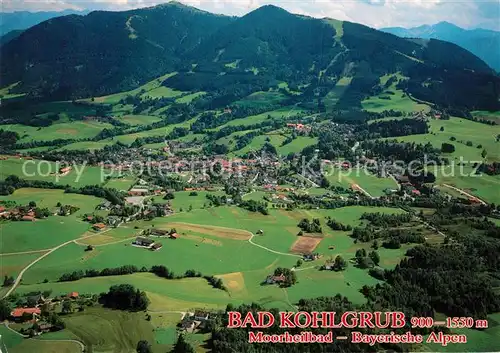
(481, 42)
(20, 20)
(230, 57)
(104, 52)
(9, 36)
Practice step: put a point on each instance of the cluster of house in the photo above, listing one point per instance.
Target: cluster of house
(299, 127)
(196, 320)
(147, 243)
(20, 213)
(33, 313)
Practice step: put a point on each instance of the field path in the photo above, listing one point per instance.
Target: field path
(20, 275)
(24, 252)
(270, 250)
(465, 193)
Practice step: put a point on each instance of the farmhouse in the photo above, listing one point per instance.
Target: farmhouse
(201, 315)
(141, 241)
(99, 226)
(28, 219)
(174, 236)
(158, 232)
(73, 295)
(21, 313)
(275, 279)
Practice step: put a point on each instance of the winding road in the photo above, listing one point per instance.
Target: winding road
(49, 251)
(270, 250)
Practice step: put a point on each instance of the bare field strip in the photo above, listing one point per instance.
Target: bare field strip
(305, 245)
(221, 232)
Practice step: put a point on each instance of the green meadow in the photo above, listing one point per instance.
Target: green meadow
(336, 93)
(49, 232)
(139, 119)
(44, 170)
(285, 112)
(70, 130)
(258, 99)
(297, 145)
(396, 101)
(117, 97)
(374, 185)
(462, 130)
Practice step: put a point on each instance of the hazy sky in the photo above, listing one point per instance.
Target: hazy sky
(375, 13)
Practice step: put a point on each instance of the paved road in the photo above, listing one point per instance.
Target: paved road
(465, 193)
(20, 275)
(270, 250)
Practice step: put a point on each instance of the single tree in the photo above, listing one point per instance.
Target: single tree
(182, 346)
(375, 257)
(143, 347)
(67, 307)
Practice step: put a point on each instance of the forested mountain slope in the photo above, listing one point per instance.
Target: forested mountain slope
(105, 52)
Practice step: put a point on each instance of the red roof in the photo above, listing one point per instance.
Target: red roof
(99, 225)
(28, 218)
(2, 208)
(73, 295)
(415, 191)
(18, 312)
(174, 235)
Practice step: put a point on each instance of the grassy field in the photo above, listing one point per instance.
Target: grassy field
(462, 130)
(120, 184)
(139, 119)
(257, 99)
(336, 93)
(115, 98)
(86, 145)
(11, 265)
(491, 116)
(45, 233)
(374, 185)
(183, 200)
(188, 98)
(70, 130)
(483, 186)
(397, 101)
(285, 112)
(79, 176)
(297, 145)
(258, 142)
(202, 246)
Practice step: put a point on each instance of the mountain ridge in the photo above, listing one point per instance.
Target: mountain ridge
(68, 57)
(479, 41)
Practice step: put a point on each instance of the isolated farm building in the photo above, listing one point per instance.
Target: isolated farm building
(156, 246)
(200, 315)
(22, 313)
(99, 226)
(260, 232)
(311, 257)
(65, 170)
(28, 219)
(174, 236)
(144, 241)
(159, 232)
(45, 327)
(275, 279)
(188, 325)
